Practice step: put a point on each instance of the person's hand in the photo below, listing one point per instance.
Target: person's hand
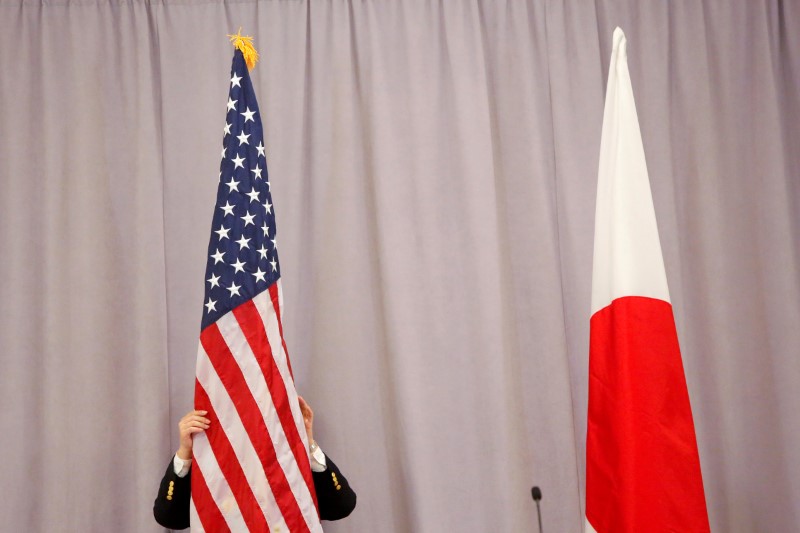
(193, 422)
(308, 419)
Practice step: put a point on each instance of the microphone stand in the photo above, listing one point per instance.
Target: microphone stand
(536, 493)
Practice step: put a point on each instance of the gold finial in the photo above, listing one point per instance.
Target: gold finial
(245, 44)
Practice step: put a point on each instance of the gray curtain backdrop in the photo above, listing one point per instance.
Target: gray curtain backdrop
(433, 165)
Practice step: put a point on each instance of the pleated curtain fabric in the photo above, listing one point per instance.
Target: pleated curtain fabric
(434, 168)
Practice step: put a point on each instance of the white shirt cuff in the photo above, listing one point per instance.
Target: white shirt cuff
(318, 463)
(181, 466)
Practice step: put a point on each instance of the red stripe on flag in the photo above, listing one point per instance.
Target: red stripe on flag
(232, 378)
(642, 464)
(229, 465)
(210, 516)
(273, 295)
(250, 322)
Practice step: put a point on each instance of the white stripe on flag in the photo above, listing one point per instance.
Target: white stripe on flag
(194, 518)
(232, 425)
(217, 484)
(254, 377)
(271, 326)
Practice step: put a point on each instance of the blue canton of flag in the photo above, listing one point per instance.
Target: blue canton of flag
(242, 253)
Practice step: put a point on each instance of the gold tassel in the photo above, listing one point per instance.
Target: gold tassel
(245, 44)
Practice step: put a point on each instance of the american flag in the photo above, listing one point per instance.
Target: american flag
(251, 469)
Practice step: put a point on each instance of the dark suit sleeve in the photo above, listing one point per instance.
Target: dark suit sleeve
(171, 508)
(335, 497)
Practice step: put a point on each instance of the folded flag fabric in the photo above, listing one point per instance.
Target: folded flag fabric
(642, 463)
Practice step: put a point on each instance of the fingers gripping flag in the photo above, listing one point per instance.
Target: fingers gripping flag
(642, 465)
(251, 469)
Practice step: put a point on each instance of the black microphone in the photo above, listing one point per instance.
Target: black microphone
(536, 493)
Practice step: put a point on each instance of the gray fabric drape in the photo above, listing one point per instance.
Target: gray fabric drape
(433, 167)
